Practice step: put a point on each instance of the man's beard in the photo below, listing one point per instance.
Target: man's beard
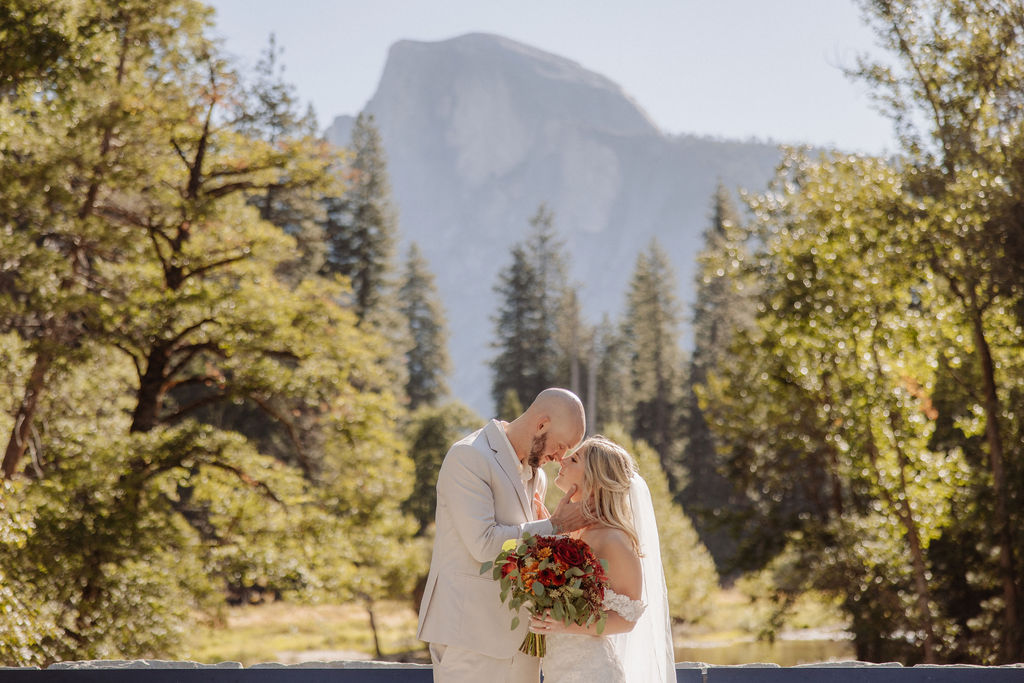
(537, 450)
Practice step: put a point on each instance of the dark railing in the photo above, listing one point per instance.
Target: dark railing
(361, 672)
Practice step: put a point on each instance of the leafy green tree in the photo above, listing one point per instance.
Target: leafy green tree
(163, 301)
(824, 412)
(650, 330)
(75, 134)
(25, 623)
(868, 411)
(427, 359)
(955, 99)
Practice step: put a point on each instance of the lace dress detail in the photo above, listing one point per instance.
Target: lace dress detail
(629, 609)
(589, 659)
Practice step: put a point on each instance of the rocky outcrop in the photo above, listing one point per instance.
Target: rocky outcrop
(480, 130)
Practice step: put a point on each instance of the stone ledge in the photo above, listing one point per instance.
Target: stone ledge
(369, 671)
(374, 664)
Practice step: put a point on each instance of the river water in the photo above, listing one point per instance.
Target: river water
(784, 652)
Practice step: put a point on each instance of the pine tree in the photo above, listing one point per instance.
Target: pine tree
(534, 290)
(361, 224)
(651, 334)
(272, 112)
(721, 306)
(546, 252)
(427, 361)
(360, 230)
(574, 345)
(611, 384)
(518, 326)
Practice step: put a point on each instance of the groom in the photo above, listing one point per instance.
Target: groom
(489, 490)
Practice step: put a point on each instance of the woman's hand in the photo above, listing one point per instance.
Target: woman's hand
(545, 625)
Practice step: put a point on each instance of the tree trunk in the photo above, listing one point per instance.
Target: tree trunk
(152, 384)
(18, 442)
(901, 504)
(373, 628)
(1004, 540)
(920, 569)
(592, 362)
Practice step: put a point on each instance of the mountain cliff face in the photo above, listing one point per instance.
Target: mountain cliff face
(480, 130)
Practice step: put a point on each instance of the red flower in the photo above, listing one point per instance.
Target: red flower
(551, 579)
(570, 552)
(510, 564)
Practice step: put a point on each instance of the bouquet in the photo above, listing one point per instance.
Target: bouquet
(550, 573)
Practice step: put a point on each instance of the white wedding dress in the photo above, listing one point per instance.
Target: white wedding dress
(642, 655)
(589, 659)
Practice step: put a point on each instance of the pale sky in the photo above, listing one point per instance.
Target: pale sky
(767, 69)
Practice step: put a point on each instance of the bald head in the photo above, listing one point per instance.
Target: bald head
(563, 407)
(553, 425)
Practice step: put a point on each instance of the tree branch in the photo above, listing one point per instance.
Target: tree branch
(215, 264)
(180, 413)
(247, 479)
(293, 436)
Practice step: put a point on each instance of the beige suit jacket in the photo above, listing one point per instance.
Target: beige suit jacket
(481, 503)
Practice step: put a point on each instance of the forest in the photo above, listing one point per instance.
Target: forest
(224, 373)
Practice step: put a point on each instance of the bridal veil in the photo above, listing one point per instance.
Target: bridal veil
(646, 652)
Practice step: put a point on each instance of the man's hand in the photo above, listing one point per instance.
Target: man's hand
(568, 516)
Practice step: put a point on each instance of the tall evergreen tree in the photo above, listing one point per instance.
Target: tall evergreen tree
(518, 326)
(547, 253)
(361, 224)
(273, 112)
(360, 231)
(574, 345)
(723, 304)
(611, 376)
(651, 334)
(427, 361)
(534, 290)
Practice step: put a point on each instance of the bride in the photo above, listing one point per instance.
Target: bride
(636, 643)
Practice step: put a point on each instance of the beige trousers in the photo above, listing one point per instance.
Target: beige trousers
(458, 665)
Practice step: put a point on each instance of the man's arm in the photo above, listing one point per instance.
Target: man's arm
(463, 485)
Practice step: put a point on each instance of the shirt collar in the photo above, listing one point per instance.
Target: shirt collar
(525, 471)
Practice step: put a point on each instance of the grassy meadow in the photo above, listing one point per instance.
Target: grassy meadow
(289, 633)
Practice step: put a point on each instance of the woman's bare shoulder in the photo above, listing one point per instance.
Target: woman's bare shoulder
(623, 564)
(607, 541)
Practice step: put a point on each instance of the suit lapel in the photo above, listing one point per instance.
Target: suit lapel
(506, 459)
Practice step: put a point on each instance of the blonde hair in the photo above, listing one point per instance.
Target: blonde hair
(607, 471)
